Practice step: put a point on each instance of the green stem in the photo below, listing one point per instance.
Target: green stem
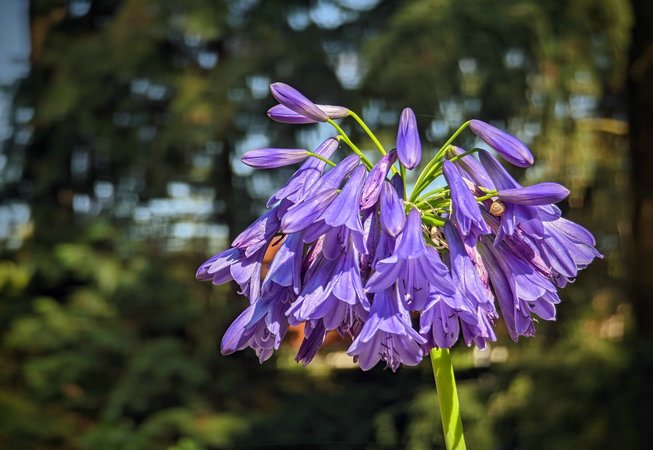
(322, 158)
(426, 172)
(368, 131)
(350, 143)
(445, 385)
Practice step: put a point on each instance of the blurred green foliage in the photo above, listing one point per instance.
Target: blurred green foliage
(108, 341)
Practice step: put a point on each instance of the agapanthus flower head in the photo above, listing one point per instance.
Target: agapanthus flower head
(397, 273)
(509, 147)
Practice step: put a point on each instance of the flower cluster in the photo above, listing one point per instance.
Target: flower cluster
(397, 273)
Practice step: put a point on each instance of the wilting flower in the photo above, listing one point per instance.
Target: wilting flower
(349, 258)
(409, 147)
(509, 147)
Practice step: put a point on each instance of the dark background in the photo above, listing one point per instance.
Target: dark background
(121, 128)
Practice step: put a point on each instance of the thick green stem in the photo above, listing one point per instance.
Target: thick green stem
(445, 385)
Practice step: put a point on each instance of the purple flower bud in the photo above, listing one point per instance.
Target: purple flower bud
(466, 213)
(409, 147)
(538, 194)
(375, 179)
(392, 211)
(509, 147)
(270, 158)
(283, 114)
(294, 100)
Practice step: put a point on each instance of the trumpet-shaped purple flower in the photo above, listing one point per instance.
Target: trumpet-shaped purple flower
(409, 146)
(375, 180)
(509, 147)
(283, 114)
(333, 292)
(413, 266)
(387, 335)
(271, 158)
(476, 293)
(261, 326)
(292, 99)
(466, 213)
(520, 289)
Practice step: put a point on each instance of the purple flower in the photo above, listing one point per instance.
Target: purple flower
(314, 334)
(387, 335)
(520, 289)
(538, 194)
(509, 147)
(341, 219)
(375, 180)
(466, 275)
(283, 114)
(413, 266)
(472, 169)
(333, 292)
(259, 233)
(306, 176)
(393, 217)
(566, 248)
(295, 101)
(466, 213)
(528, 218)
(304, 214)
(286, 267)
(261, 326)
(409, 147)
(271, 158)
